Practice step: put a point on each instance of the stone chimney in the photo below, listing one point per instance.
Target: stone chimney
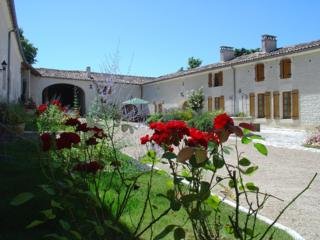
(268, 43)
(88, 70)
(226, 53)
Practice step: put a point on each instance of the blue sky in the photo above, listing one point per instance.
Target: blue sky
(157, 37)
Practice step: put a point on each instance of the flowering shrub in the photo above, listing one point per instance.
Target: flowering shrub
(196, 99)
(314, 139)
(201, 152)
(51, 116)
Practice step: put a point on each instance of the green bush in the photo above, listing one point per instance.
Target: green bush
(154, 118)
(12, 113)
(203, 121)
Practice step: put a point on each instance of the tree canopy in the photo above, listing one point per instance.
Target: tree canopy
(243, 51)
(194, 62)
(29, 50)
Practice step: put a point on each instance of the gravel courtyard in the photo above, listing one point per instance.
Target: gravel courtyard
(284, 173)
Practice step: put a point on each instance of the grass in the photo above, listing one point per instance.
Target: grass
(20, 172)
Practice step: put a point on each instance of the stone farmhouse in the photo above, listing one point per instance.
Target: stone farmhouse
(276, 86)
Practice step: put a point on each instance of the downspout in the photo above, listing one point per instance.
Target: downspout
(234, 88)
(9, 63)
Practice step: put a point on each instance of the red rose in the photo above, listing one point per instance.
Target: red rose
(46, 141)
(248, 126)
(91, 167)
(72, 122)
(82, 128)
(56, 102)
(145, 139)
(98, 132)
(42, 108)
(222, 121)
(198, 138)
(66, 140)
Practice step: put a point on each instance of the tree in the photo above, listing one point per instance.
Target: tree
(243, 51)
(196, 99)
(29, 50)
(194, 62)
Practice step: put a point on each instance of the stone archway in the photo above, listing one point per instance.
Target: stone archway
(66, 94)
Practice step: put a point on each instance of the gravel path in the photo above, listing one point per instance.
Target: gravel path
(284, 173)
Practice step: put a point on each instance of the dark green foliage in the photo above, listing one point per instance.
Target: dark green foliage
(194, 62)
(203, 121)
(243, 51)
(29, 50)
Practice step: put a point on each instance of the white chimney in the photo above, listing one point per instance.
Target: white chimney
(88, 69)
(268, 43)
(226, 53)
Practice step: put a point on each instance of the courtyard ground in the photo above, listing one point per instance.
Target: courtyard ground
(284, 173)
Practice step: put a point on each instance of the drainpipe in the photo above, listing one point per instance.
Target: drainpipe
(234, 88)
(9, 63)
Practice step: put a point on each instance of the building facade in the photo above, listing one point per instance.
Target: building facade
(276, 85)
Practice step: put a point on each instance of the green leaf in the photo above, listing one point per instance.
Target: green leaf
(169, 155)
(152, 154)
(246, 140)
(217, 162)
(34, 224)
(231, 183)
(99, 230)
(244, 162)
(204, 190)
(251, 170)
(47, 189)
(55, 204)
(21, 198)
(179, 233)
(175, 205)
(64, 224)
(48, 213)
(213, 201)
(165, 232)
(251, 187)
(55, 236)
(261, 148)
(76, 234)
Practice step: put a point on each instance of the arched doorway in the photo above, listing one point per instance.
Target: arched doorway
(68, 94)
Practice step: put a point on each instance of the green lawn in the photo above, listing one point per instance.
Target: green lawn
(20, 172)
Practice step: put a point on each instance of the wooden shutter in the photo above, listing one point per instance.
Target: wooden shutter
(285, 68)
(210, 104)
(259, 70)
(221, 102)
(276, 110)
(267, 102)
(221, 78)
(210, 80)
(295, 104)
(252, 102)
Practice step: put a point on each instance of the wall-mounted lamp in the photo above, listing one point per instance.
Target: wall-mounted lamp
(90, 86)
(4, 65)
(181, 94)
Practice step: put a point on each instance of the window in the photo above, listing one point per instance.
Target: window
(285, 68)
(219, 103)
(210, 80)
(276, 111)
(286, 102)
(218, 79)
(251, 103)
(261, 113)
(259, 72)
(210, 104)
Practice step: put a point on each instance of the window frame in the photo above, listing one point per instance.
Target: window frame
(261, 105)
(286, 105)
